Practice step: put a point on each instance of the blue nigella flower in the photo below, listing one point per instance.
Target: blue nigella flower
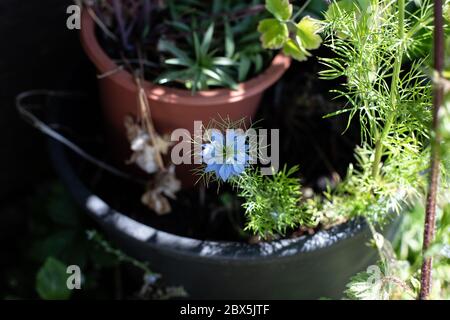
(226, 156)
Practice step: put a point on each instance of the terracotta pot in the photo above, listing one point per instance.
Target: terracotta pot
(171, 108)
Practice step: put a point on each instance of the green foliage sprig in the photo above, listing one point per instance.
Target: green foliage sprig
(377, 200)
(371, 41)
(379, 283)
(272, 203)
(410, 246)
(444, 129)
(398, 279)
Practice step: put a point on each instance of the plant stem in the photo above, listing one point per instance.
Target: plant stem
(375, 238)
(430, 213)
(299, 12)
(379, 147)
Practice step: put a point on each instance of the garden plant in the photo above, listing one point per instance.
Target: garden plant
(381, 52)
(169, 63)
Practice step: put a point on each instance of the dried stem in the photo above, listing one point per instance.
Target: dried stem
(146, 117)
(430, 215)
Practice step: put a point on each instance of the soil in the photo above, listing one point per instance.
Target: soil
(295, 105)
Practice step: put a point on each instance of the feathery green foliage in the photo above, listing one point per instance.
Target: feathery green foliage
(379, 283)
(272, 203)
(372, 41)
(371, 46)
(409, 241)
(387, 89)
(377, 200)
(398, 279)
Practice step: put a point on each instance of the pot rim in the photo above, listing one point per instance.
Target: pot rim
(175, 245)
(104, 64)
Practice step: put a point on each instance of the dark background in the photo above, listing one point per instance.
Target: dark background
(37, 52)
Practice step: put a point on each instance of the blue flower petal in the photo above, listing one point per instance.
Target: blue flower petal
(225, 172)
(238, 168)
(212, 167)
(214, 157)
(217, 136)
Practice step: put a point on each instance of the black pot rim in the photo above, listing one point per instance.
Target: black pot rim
(172, 244)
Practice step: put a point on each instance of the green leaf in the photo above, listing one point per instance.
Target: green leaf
(225, 78)
(167, 46)
(177, 62)
(216, 6)
(212, 74)
(347, 6)
(336, 7)
(367, 285)
(307, 30)
(197, 47)
(364, 4)
(207, 39)
(179, 25)
(244, 67)
(249, 38)
(292, 49)
(222, 61)
(281, 9)
(51, 281)
(229, 41)
(171, 76)
(447, 11)
(54, 245)
(258, 61)
(274, 33)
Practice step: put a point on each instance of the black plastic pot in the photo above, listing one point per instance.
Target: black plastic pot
(308, 267)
